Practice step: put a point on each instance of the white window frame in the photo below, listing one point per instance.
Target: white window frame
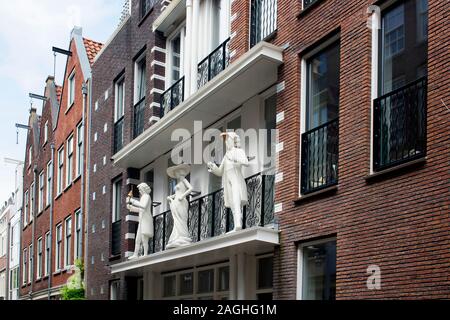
(26, 207)
(58, 247)
(137, 76)
(30, 155)
(300, 262)
(39, 259)
(80, 150)
(303, 96)
(180, 30)
(32, 198)
(59, 184)
(48, 193)
(71, 90)
(24, 266)
(46, 132)
(116, 216)
(265, 290)
(67, 242)
(47, 252)
(78, 234)
(69, 159)
(41, 192)
(120, 83)
(30, 263)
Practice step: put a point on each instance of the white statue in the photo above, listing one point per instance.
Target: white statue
(179, 206)
(234, 186)
(143, 206)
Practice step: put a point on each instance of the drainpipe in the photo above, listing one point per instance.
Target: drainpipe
(187, 49)
(84, 91)
(33, 232)
(8, 234)
(52, 147)
(88, 170)
(194, 45)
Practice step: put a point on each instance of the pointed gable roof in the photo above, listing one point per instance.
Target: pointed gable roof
(92, 49)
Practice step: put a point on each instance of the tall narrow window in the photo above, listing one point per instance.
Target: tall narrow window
(41, 192)
(69, 165)
(68, 242)
(317, 271)
(399, 112)
(80, 151)
(116, 218)
(118, 114)
(30, 155)
(24, 267)
(139, 97)
(264, 278)
(26, 207)
(78, 234)
(58, 247)
(146, 6)
(46, 132)
(60, 170)
(48, 197)
(30, 263)
(71, 90)
(263, 20)
(39, 259)
(320, 141)
(32, 193)
(48, 247)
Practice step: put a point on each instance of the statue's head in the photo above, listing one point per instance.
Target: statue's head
(232, 140)
(144, 188)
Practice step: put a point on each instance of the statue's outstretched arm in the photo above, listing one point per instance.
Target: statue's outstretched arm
(132, 208)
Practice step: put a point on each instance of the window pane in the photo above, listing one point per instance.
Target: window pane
(323, 87)
(169, 286)
(319, 271)
(186, 284)
(224, 279)
(176, 58)
(265, 273)
(206, 281)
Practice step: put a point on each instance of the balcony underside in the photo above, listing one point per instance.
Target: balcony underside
(256, 240)
(248, 76)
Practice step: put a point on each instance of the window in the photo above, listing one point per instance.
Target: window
(264, 290)
(114, 289)
(78, 235)
(69, 165)
(399, 114)
(175, 56)
(24, 267)
(321, 111)
(46, 132)
(118, 114)
(30, 263)
(307, 3)
(48, 246)
(80, 151)
(140, 78)
(146, 6)
(117, 201)
(48, 195)
(317, 270)
(68, 242)
(60, 170)
(71, 90)
(32, 191)
(26, 208)
(58, 247)
(41, 192)
(39, 259)
(30, 155)
(263, 20)
(2, 245)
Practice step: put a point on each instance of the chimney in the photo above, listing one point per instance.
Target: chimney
(48, 84)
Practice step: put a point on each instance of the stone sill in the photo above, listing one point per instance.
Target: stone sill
(397, 170)
(324, 192)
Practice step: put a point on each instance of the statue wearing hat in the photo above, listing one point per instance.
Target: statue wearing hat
(143, 206)
(234, 186)
(179, 206)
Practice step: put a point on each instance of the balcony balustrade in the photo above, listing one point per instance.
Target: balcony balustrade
(209, 218)
(400, 125)
(213, 64)
(172, 97)
(139, 118)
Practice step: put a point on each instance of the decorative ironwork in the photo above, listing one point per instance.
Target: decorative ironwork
(320, 151)
(172, 97)
(263, 20)
(208, 217)
(400, 125)
(118, 135)
(213, 64)
(139, 118)
(116, 233)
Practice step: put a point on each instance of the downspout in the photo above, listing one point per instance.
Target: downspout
(84, 91)
(33, 231)
(52, 147)
(8, 236)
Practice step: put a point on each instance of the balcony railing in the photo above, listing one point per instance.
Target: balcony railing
(400, 125)
(118, 135)
(139, 118)
(263, 20)
(213, 64)
(209, 218)
(172, 97)
(116, 232)
(320, 149)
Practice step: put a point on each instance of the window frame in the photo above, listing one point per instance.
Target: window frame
(41, 192)
(58, 247)
(45, 132)
(71, 90)
(24, 266)
(26, 208)
(179, 31)
(120, 83)
(116, 216)
(47, 252)
(138, 76)
(69, 159)
(30, 263)
(79, 150)
(32, 198)
(144, 12)
(49, 177)
(39, 259)
(78, 247)
(263, 290)
(60, 176)
(67, 242)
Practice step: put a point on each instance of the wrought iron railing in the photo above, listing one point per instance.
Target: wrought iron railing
(213, 64)
(172, 97)
(263, 20)
(320, 150)
(139, 118)
(116, 232)
(118, 135)
(209, 218)
(400, 125)
(308, 3)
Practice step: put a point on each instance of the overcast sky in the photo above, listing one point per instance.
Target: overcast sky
(28, 31)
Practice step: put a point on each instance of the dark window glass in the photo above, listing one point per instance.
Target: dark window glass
(224, 279)
(186, 284)
(146, 6)
(206, 281)
(265, 273)
(169, 286)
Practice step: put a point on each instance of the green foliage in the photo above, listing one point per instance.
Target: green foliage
(72, 294)
(74, 288)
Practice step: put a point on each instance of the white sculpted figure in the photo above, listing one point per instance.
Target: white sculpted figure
(143, 206)
(179, 206)
(234, 186)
